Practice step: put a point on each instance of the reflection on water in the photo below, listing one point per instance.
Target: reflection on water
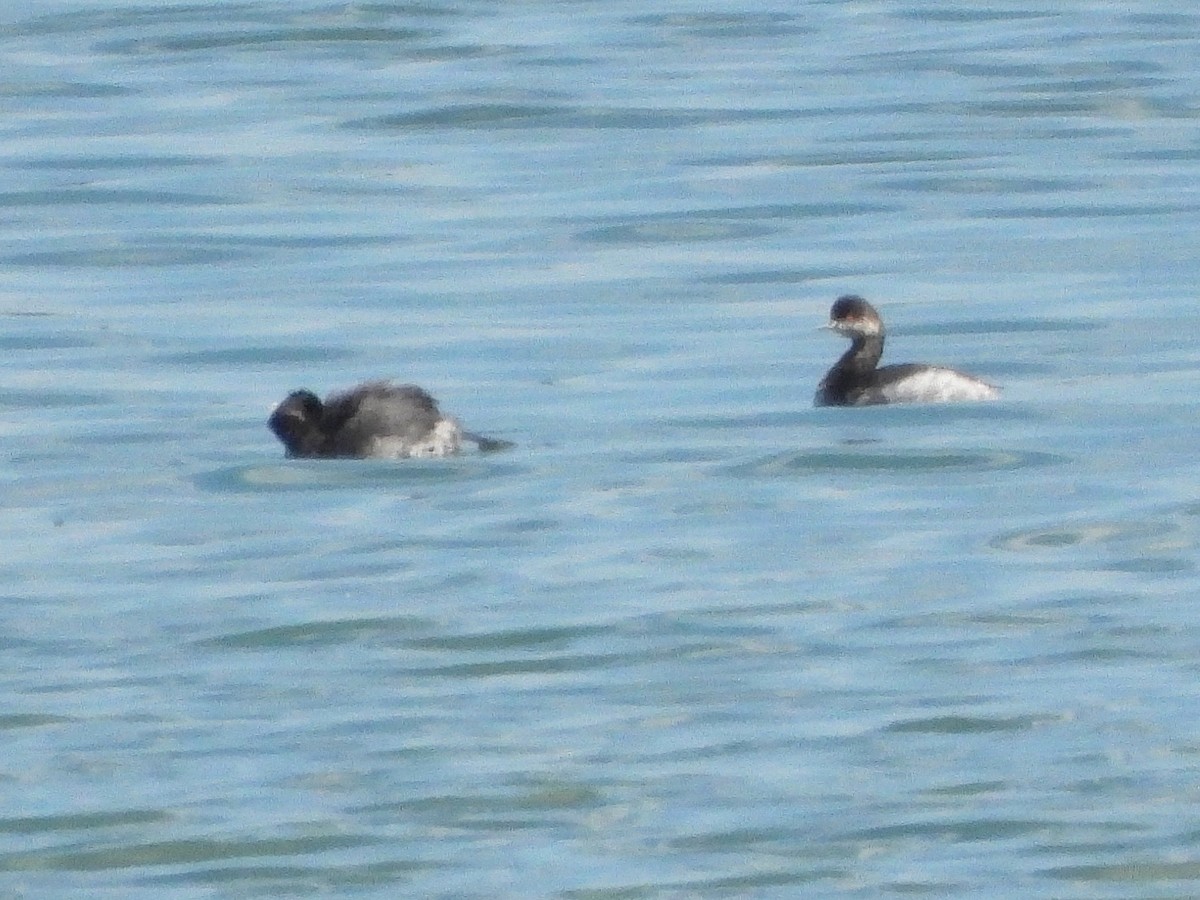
(689, 636)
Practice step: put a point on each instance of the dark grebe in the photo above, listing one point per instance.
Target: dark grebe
(854, 379)
(377, 419)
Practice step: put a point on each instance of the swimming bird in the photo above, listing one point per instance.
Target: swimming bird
(856, 379)
(377, 419)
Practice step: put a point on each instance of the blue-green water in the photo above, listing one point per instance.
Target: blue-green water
(691, 637)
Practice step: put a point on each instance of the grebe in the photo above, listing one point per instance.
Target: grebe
(377, 419)
(855, 379)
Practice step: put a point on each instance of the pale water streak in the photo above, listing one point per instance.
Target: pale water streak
(691, 637)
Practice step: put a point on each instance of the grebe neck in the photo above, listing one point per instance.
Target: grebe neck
(863, 355)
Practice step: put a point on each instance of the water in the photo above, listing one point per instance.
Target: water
(691, 637)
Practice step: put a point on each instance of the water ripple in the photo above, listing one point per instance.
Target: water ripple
(121, 196)
(322, 633)
(964, 724)
(83, 821)
(336, 474)
(529, 115)
(726, 26)
(814, 462)
(179, 852)
(267, 355)
(269, 39)
(109, 257)
(1057, 537)
(719, 224)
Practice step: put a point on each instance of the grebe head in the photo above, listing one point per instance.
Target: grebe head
(297, 422)
(853, 317)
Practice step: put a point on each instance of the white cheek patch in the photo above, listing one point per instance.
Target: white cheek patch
(851, 327)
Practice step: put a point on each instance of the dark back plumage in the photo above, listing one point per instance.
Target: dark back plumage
(355, 419)
(374, 419)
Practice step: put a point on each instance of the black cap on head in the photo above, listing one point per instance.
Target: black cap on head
(851, 306)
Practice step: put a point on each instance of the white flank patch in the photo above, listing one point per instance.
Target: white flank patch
(936, 385)
(444, 440)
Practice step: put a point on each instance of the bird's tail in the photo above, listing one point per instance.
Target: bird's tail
(487, 444)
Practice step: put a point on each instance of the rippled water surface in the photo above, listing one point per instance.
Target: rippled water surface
(691, 637)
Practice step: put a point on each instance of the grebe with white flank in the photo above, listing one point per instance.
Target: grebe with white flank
(377, 420)
(857, 380)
